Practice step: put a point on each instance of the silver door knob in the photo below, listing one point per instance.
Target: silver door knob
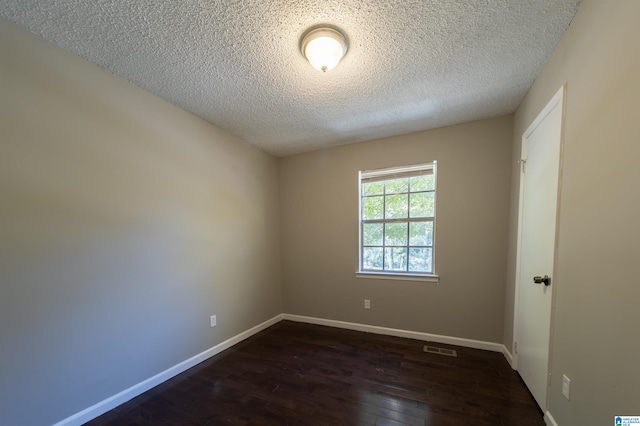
(539, 280)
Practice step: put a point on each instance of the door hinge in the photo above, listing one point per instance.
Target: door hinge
(522, 165)
(515, 347)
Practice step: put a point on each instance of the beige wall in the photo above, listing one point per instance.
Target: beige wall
(319, 193)
(597, 341)
(125, 223)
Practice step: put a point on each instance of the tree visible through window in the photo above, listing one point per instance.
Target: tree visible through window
(397, 213)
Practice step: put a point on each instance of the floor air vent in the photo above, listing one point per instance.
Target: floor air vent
(440, 351)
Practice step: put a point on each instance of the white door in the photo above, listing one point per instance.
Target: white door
(539, 181)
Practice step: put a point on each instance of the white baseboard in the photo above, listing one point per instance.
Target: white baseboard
(457, 341)
(138, 389)
(548, 419)
(128, 394)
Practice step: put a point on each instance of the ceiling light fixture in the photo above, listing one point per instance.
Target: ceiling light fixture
(324, 48)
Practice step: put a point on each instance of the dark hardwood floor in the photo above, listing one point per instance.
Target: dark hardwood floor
(301, 374)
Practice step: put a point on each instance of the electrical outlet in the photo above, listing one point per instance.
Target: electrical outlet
(212, 321)
(566, 386)
(367, 304)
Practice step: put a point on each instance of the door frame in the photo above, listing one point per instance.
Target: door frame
(558, 98)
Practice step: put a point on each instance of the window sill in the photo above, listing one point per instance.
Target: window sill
(398, 277)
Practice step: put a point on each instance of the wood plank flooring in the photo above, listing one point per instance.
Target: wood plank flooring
(302, 374)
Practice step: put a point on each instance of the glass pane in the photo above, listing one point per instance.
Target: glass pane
(395, 259)
(372, 258)
(372, 207)
(372, 234)
(422, 204)
(373, 188)
(421, 234)
(422, 183)
(396, 185)
(397, 206)
(420, 260)
(395, 234)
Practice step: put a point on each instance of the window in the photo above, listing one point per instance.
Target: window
(397, 215)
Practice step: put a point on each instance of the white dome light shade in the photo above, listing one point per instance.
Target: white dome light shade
(324, 48)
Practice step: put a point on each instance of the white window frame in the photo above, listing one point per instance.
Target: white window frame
(390, 173)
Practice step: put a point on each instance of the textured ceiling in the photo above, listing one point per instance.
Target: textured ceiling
(411, 65)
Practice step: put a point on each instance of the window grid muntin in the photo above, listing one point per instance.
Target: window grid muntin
(383, 176)
(415, 220)
(408, 246)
